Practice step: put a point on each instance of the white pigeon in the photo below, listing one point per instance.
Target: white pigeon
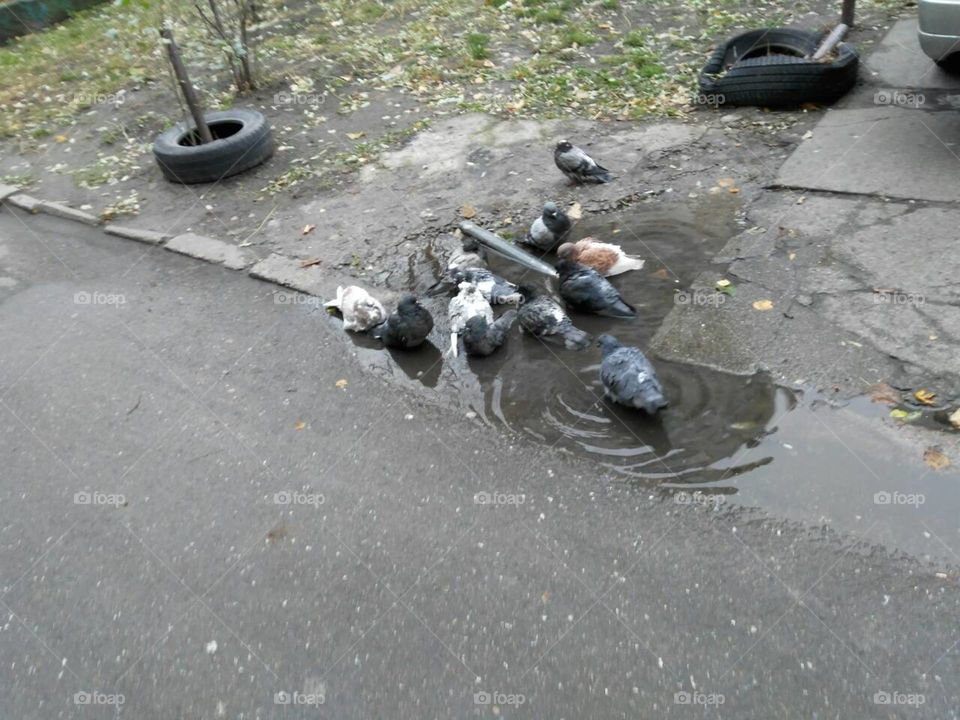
(361, 310)
(468, 303)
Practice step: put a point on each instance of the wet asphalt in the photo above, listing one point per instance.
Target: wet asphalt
(210, 509)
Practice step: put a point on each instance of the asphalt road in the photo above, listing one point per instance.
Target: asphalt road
(208, 509)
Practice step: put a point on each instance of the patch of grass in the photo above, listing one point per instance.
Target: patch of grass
(478, 46)
(610, 4)
(635, 39)
(20, 180)
(371, 11)
(575, 36)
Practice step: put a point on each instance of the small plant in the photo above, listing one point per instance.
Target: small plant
(228, 22)
(478, 46)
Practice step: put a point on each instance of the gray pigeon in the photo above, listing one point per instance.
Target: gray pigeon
(583, 288)
(543, 317)
(481, 338)
(408, 327)
(548, 230)
(578, 166)
(628, 376)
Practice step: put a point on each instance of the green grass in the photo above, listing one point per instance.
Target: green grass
(478, 46)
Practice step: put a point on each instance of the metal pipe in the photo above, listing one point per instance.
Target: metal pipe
(497, 244)
(831, 41)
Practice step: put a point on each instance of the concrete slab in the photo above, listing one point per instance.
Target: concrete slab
(7, 190)
(66, 212)
(894, 152)
(313, 280)
(898, 62)
(24, 202)
(211, 250)
(144, 236)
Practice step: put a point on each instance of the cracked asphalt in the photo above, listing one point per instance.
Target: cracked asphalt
(209, 510)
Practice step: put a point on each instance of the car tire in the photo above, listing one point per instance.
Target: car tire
(242, 140)
(770, 68)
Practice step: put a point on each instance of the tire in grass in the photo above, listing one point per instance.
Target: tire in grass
(242, 140)
(769, 68)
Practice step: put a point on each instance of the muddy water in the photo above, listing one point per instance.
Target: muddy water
(725, 441)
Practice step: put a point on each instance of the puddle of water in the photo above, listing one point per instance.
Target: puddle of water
(741, 441)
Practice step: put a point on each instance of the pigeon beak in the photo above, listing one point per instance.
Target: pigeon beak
(508, 250)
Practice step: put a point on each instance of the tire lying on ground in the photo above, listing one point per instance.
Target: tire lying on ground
(769, 68)
(242, 140)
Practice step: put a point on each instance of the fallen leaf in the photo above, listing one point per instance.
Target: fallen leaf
(575, 212)
(310, 262)
(899, 414)
(662, 273)
(935, 458)
(955, 419)
(356, 135)
(792, 256)
(299, 425)
(60, 138)
(308, 229)
(341, 383)
(763, 304)
(881, 392)
(468, 211)
(726, 182)
(734, 190)
(924, 396)
(723, 283)
(726, 287)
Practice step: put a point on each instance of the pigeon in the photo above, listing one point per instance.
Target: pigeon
(408, 327)
(548, 230)
(543, 317)
(468, 303)
(361, 311)
(470, 255)
(628, 376)
(495, 289)
(606, 259)
(585, 289)
(481, 338)
(578, 166)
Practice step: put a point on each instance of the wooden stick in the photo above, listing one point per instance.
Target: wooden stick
(189, 94)
(831, 41)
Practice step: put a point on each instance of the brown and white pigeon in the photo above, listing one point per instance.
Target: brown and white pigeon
(605, 258)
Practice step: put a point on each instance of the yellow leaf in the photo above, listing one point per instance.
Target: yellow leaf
(341, 383)
(468, 211)
(60, 138)
(955, 419)
(924, 396)
(309, 229)
(935, 458)
(299, 425)
(763, 304)
(723, 283)
(726, 182)
(356, 135)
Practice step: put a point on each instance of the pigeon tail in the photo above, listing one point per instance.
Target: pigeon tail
(453, 344)
(619, 309)
(337, 302)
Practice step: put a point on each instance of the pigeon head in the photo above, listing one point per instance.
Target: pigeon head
(567, 251)
(469, 244)
(475, 326)
(564, 146)
(456, 276)
(528, 292)
(407, 303)
(653, 400)
(550, 209)
(567, 267)
(607, 343)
